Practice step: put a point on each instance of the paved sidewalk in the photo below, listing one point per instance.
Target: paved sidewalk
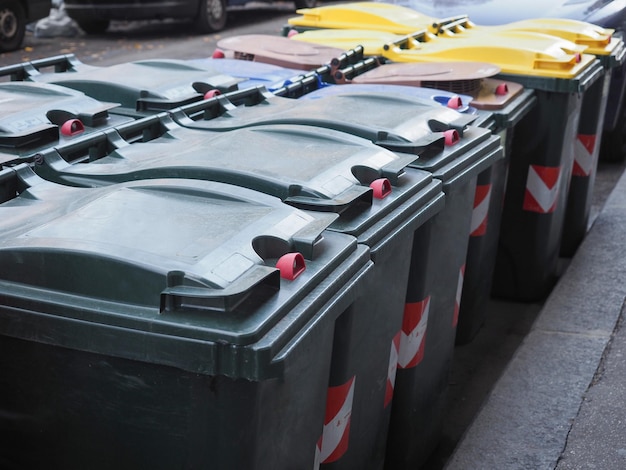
(560, 402)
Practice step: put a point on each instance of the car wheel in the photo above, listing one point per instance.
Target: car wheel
(12, 25)
(93, 26)
(211, 16)
(305, 4)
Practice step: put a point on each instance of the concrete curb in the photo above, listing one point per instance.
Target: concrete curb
(525, 421)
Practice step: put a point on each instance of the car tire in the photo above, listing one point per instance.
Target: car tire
(12, 25)
(94, 26)
(305, 4)
(211, 16)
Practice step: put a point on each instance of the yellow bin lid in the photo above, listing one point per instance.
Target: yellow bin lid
(403, 20)
(515, 52)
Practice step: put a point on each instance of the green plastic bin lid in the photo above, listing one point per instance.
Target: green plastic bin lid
(188, 273)
(515, 52)
(392, 120)
(140, 87)
(307, 167)
(279, 51)
(34, 116)
(398, 122)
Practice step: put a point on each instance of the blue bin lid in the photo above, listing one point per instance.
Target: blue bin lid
(251, 74)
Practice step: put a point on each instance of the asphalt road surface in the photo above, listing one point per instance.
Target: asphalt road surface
(138, 40)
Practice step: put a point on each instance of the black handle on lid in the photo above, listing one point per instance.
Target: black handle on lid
(348, 73)
(349, 199)
(349, 57)
(203, 88)
(90, 117)
(459, 124)
(60, 63)
(426, 147)
(18, 72)
(305, 84)
(142, 130)
(304, 241)
(181, 295)
(36, 136)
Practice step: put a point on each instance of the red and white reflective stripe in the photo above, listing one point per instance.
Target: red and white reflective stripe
(318, 454)
(481, 210)
(457, 301)
(413, 334)
(336, 432)
(393, 367)
(542, 189)
(584, 160)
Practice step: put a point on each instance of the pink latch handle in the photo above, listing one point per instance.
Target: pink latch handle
(381, 187)
(218, 54)
(72, 127)
(455, 102)
(451, 137)
(212, 94)
(502, 89)
(578, 57)
(291, 265)
(292, 33)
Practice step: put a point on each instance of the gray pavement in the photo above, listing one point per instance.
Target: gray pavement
(559, 402)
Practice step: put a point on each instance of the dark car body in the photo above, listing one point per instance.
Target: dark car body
(607, 13)
(15, 15)
(93, 16)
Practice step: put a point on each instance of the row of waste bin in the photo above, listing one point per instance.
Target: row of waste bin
(201, 272)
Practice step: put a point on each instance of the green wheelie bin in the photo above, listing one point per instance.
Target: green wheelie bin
(378, 200)
(166, 323)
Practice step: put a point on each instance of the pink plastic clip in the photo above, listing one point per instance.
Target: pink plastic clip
(381, 187)
(291, 265)
(455, 102)
(292, 33)
(72, 127)
(502, 89)
(211, 94)
(451, 137)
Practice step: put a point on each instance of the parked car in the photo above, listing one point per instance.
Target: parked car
(15, 15)
(94, 16)
(607, 13)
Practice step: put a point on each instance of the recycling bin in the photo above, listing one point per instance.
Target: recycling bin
(166, 324)
(539, 189)
(611, 53)
(502, 104)
(404, 125)
(400, 19)
(141, 88)
(542, 146)
(587, 146)
(36, 116)
(379, 201)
